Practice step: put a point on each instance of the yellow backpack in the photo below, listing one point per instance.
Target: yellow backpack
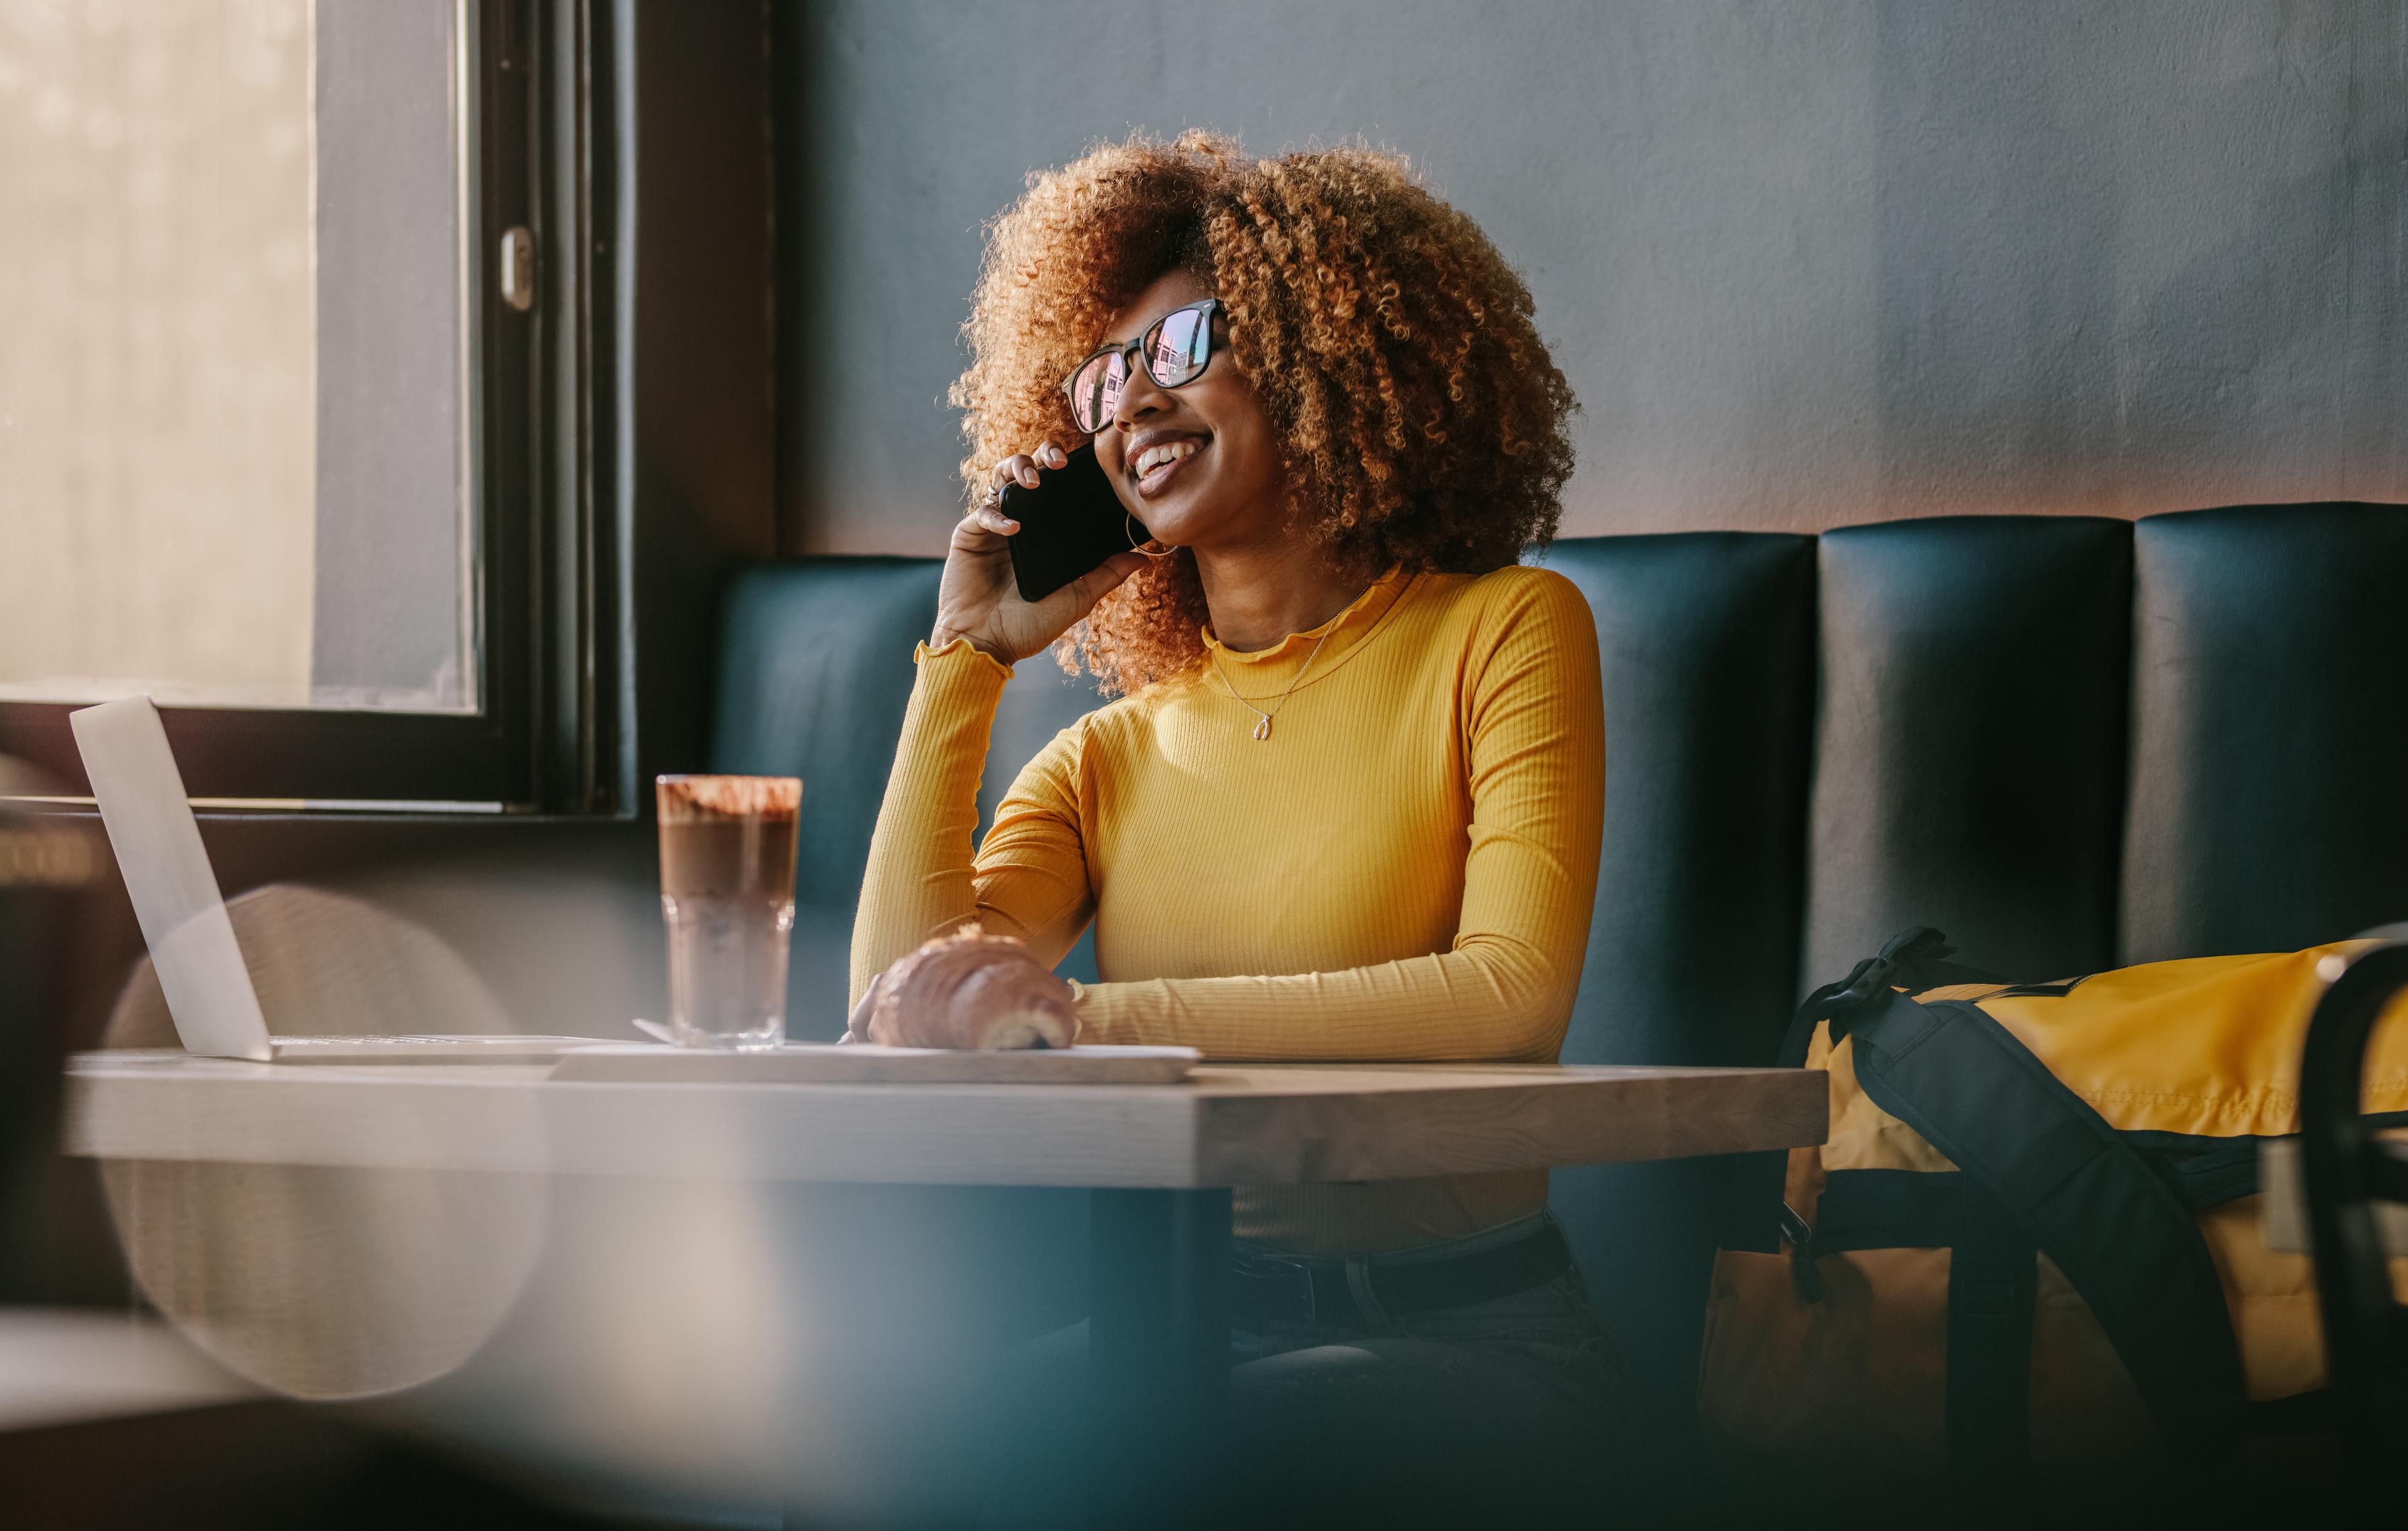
(2033, 1242)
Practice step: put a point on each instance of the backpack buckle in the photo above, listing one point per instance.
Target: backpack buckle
(1803, 1273)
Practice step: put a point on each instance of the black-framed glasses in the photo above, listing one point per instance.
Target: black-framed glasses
(1175, 349)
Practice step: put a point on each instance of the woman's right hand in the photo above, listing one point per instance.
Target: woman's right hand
(977, 599)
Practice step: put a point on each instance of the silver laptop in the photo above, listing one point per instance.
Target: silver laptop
(175, 892)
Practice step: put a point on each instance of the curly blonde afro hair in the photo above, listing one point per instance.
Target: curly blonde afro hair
(1420, 418)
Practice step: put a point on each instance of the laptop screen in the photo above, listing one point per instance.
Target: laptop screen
(166, 870)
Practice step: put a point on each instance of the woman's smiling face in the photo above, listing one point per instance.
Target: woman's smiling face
(1197, 465)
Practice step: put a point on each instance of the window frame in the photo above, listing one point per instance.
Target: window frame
(541, 152)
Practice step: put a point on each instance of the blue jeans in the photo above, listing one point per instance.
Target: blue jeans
(1495, 1412)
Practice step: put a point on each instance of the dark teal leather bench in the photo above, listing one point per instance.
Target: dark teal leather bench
(2069, 742)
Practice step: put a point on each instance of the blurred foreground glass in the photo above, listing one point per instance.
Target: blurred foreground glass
(727, 893)
(236, 423)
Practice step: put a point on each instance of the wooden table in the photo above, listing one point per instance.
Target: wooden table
(1159, 1160)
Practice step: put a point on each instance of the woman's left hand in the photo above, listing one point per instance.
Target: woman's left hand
(979, 599)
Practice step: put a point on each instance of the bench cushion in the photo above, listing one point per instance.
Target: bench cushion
(1969, 754)
(2270, 802)
(1706, 643)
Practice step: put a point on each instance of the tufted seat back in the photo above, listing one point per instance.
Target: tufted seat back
(2069, 742)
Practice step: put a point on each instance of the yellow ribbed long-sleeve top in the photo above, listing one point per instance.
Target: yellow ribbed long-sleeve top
(1403, 869)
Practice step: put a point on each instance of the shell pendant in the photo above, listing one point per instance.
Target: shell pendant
(1262, 729)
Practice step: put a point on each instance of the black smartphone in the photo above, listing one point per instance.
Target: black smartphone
(1068, 523)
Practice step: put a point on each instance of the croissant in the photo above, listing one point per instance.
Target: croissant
(968, 991)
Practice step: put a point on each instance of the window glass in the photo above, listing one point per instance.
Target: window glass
(234, 461)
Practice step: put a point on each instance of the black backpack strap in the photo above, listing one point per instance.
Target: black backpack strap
(1915, 958)
(1912, 959)
(1992, 1276)
(2059, 1180)
(1888, 1210)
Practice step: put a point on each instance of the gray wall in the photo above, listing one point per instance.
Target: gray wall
(1806, 261)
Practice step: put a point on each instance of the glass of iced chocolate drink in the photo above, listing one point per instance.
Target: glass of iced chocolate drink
(727, 892)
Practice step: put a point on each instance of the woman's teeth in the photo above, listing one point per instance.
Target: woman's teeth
(1170, 451)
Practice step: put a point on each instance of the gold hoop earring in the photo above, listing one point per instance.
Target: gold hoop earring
(1128, 520)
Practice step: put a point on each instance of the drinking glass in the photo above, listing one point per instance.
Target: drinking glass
(727, 894)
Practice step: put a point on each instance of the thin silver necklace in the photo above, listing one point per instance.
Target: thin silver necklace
(1262, 729)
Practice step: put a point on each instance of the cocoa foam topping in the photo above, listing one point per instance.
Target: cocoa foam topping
(688, 797)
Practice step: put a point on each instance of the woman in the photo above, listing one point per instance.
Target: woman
(1349, 804)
